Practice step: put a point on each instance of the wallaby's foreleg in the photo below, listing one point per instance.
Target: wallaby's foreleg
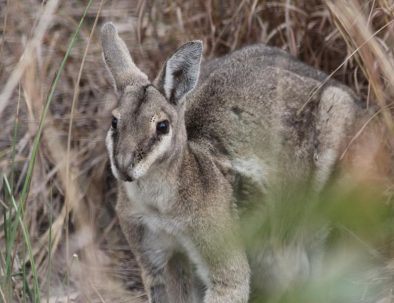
(152, 253)
(223, 266)
(180, 282)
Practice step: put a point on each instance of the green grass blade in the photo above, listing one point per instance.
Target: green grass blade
(7, 283)
(27, 242)
(13, 147)
(49, 249)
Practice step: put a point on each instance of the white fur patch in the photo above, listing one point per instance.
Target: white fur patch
(110, 148)
(252, 168)
(194, 255)
(168, 81)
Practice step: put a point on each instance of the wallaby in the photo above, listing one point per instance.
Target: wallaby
(180, 145)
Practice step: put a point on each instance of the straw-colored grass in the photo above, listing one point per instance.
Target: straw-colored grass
(55, 105)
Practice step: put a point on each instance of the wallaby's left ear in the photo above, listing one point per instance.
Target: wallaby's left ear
(179, 74)
(118, 59)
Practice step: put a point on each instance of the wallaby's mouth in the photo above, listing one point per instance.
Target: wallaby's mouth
(123, 171)
(129, 179)
(125, 177)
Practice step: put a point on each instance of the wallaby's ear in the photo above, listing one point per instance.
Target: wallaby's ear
(180, 73)
(118, 59)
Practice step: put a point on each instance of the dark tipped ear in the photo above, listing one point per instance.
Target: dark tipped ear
(180, 73)
(118, 59)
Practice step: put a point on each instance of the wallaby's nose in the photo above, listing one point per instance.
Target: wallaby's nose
(123, 163)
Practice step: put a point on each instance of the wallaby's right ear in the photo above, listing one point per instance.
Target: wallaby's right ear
(118, 59)
(181, 71)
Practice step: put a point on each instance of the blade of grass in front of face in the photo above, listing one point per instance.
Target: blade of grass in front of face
(26, 237)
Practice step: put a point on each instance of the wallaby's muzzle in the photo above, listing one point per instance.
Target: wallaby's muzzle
(124, 163)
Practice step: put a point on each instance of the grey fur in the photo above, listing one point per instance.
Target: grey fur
(117, 58)
(181, 71)
(239, 125)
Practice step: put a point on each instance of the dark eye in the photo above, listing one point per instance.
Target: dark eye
(114, 123)
(162, 127)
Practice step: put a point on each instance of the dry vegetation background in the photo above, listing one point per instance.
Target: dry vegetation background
(72, 193)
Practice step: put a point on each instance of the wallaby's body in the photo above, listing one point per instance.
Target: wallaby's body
(248, 106)
(182, 145)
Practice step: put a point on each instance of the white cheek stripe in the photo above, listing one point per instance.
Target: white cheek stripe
(110, 149)
(142, 167)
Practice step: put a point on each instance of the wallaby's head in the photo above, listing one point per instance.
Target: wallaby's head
(148, 124)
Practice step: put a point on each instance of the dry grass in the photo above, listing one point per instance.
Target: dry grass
(72, 193)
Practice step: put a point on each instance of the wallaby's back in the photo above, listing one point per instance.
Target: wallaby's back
(246, 106)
